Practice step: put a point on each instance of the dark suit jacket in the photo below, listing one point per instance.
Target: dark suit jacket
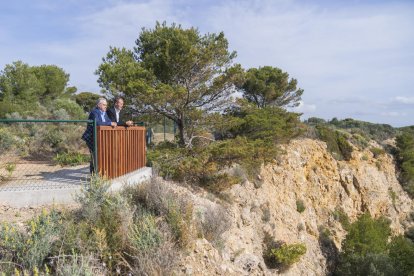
(88, 134)
(112, 115)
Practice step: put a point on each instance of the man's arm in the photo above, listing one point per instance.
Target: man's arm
(122, 121)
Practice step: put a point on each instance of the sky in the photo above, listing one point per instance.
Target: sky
(353, 58)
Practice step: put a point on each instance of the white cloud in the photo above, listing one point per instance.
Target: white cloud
(347, 57)
(393, 114)
(404, 100)
(305, 108)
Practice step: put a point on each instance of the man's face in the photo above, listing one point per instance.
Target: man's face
(119, 104)
(102, 106)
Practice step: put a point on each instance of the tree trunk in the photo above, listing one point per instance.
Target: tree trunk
(180, 125)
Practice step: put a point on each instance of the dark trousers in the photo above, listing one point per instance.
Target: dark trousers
(92, 152)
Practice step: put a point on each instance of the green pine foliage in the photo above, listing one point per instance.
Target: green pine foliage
(405, 161)
(366, 250)
(336, 141)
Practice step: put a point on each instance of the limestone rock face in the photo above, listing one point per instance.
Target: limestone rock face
(305, 173)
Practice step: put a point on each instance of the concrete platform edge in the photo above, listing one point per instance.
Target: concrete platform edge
(39, 197)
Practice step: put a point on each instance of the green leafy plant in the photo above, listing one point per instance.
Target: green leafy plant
(365, 248)
(336, 142)
(144, 234)
(10, 168)
(300, 206)
(405, 161)
(71, 159)
(288, 254)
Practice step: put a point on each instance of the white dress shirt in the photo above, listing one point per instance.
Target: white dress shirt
(117, 114)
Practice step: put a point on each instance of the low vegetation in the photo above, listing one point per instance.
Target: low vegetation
(280, 255)
(71, 159)
(141, 231)
(336, 141)
(405, 161)
(368, 250)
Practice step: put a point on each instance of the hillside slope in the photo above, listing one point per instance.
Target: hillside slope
(267, 209)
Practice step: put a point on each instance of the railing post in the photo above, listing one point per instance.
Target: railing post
(164, 129)
(95, 148)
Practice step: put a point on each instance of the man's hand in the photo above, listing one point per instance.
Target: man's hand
(113, 124)
(129, 123)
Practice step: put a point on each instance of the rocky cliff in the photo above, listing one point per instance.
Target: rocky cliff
(267, 208)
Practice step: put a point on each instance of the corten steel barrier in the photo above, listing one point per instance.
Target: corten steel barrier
(120, 150)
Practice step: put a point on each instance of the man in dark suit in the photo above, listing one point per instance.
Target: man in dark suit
(99, 115)
(117, 115)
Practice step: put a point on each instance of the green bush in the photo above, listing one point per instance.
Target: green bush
(336, 142)
(365, 247)
(71, 159)
(29, 247)
(204, 165)
(401, 252)
(369, 264)
(144, 234)
(74, 110)
(377, 132)
(405, 161)
(300, 206)
(288, 254)
(377, 152)
(7, 140)
(79, 265)
(269, 123)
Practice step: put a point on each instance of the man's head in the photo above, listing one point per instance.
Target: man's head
(102, 104)
(119, 103)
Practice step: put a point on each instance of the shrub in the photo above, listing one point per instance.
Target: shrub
(269, 123)
(7, 140)
(300, 206)
(74, 111)
(401, 252)
(144, 234)
(288, 254)
(177, 211)
(377, 132)
(393, 196)
(369, 264)
(10, 168)
(214, 222)
(405, 161)
(29, 248)
(71, 158)
(365, 246)
(337, 143)
(204, 166)
(377, 152)
(179, 218)
(79, 265)
(109, 218)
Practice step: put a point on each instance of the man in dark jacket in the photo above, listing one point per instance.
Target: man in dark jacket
(117, 115)
(99, 115)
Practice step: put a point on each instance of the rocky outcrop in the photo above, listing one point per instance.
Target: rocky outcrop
(306, 173)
